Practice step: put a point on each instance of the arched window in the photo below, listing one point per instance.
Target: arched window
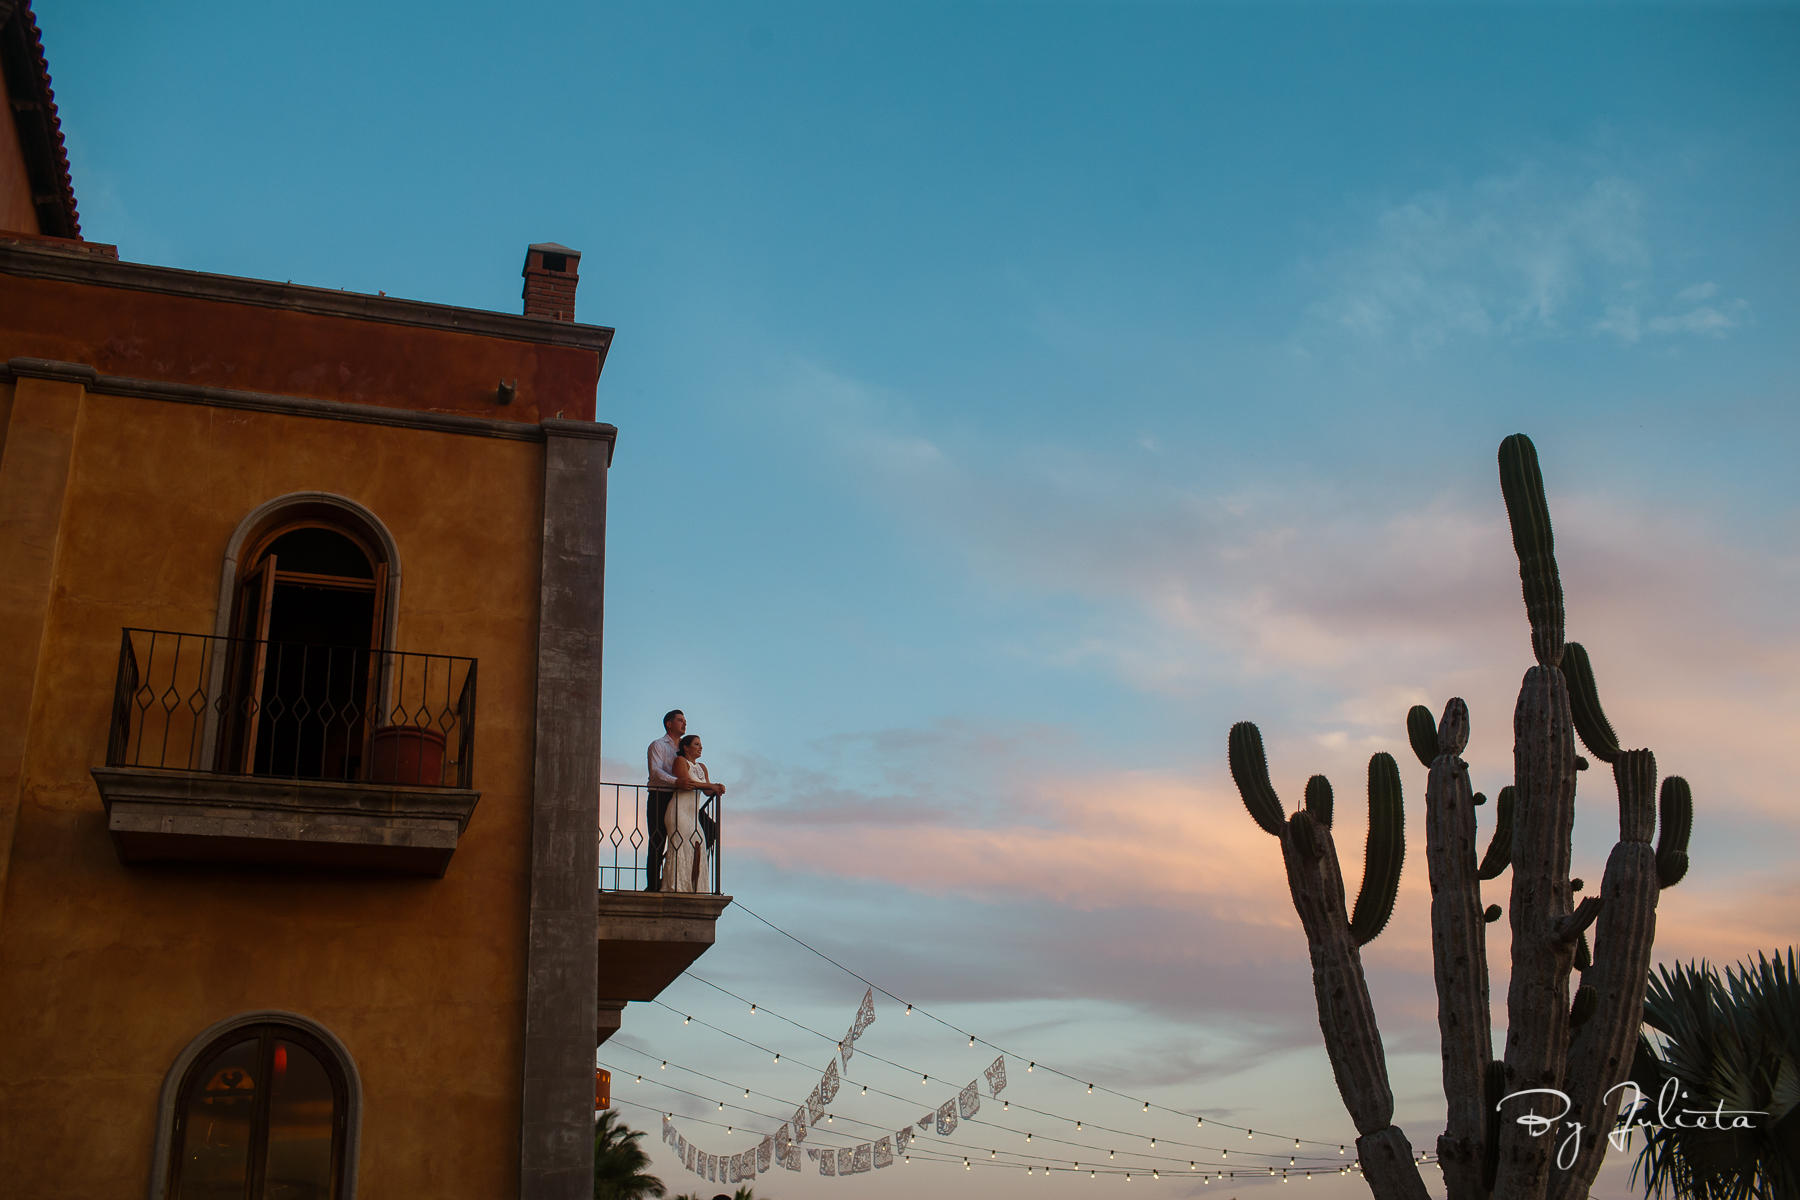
(261, 1110)
(308, 607)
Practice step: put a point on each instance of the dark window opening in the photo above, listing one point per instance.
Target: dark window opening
(556, 262)
(315, 550)
(308, 633)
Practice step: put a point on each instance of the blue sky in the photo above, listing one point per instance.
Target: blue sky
(1012, 396)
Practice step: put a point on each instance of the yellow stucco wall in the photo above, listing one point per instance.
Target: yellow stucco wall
(107, 971)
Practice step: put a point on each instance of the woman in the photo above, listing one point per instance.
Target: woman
(685, 862)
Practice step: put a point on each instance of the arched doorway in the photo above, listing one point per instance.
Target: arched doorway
(308, 612)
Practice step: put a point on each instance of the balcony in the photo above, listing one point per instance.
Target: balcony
(239, 751)
(648, 938)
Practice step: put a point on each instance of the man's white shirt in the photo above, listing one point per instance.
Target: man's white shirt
(663, 752)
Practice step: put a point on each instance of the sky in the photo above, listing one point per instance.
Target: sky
(1011, 397)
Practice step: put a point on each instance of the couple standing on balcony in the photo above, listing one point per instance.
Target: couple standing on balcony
(677, 782)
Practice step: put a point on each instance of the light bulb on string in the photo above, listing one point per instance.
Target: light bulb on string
(1146, 1106)
(1249, 1133)
(778, 1058)
(971, 1041)
(909, 1010)
(1090, 1089)
(665, 1065)
(687, 1020)
(1030, 1067)
(1152, 1143)
(1296, 1143)
(924, 1079)
(746, 1093)
(1078, 1127)
(753, 1010)
(640, 1079)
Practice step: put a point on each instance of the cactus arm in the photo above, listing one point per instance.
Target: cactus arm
(1318, 799)
(1250, 771)
(1537, 1000)
(1499, 851)
(1522, 484)
(1422, 732)
(1458, 950)
(1677, 825)
(1600, 1049)
(1385, 852)
(1346, 1013)
(1584, 703)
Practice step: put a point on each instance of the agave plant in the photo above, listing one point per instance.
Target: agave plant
(1731, 1044)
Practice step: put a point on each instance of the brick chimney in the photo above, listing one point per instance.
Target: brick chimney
(550, 279)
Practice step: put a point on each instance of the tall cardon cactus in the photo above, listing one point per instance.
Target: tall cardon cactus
(1580, 1045)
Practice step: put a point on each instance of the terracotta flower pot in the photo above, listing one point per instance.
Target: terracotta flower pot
(407, 754)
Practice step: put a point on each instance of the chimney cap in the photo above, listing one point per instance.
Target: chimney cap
(553, 248)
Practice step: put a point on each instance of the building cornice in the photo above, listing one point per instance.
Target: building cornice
(42, 262)
(303, 406)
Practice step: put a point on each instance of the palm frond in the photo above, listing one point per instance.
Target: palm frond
(1730, 1043)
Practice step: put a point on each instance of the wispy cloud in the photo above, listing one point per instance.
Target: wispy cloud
(1530, 253)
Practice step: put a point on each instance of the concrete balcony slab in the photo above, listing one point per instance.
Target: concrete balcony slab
(647, 939)
(157, 815)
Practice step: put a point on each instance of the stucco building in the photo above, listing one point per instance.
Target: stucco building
(300, 630)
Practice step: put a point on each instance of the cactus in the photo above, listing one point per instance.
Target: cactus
(1677, 824)
(1318, 799)
(1581, 1046)
(1250, 769)
(1421, 730)
(1499, 851)
(1385, 851)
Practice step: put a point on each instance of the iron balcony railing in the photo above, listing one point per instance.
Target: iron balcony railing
(233, 706)
(625, 858)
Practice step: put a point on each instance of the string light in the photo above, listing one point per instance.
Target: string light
(1031, 1066)
(753, 1010)
(665, 1065)
(971, 1041)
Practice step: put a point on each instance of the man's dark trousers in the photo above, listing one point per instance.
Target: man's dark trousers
(655, 807)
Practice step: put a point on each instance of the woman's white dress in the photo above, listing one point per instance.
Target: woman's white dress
(685, 865)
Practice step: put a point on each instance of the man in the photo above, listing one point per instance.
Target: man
(661, 756)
